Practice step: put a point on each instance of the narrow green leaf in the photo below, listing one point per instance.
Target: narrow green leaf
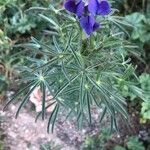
(71, 90)
(115, 125)
(49, 63)
(18, 93)
(115, 95)
(80, 119)
(64, 70)
(56, 44)
(50, 118)
(37, 9)
(93, 97)
(120, 108)
(41, 111)
(115, 22)
(43, 100)
(32, 46)
(50, 21)
(94, 66)
(101, 90)
(54, 120)
(62, 88)
(89, 109)
(71, 111)
(103, 114)
(111, 124)
(75, 56)
(25, 99)
(44, 46)
(109, 106)
(81, 93)
(69, 40)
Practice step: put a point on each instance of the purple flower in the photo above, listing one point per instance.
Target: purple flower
(75, 7)
(86, 13)
(99, 8)
(89, 24)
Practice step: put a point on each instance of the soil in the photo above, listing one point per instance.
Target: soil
(24, 134)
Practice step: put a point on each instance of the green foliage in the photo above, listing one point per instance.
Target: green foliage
(145, 110)
(119, 148)
(1, 133)
(3, 84)
(13, 20)
(8, 60)
(1, 146)
(130, 88)
(78, 71)
(141, 92)
(96, 142)
(50, 146)
(141, 26)
(4, 65)
(145, 85)
(22, 24)
(134, 144)
(15, 17)
(5, 3)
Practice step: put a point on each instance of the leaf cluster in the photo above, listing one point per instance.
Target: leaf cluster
(79, 71)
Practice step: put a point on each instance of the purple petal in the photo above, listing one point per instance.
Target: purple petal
(70, 5)
(93, 6)
(96, 26)
(80, 8)
(104, 8)
(87, 24)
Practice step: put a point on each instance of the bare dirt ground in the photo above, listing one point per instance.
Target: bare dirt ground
(24, 134)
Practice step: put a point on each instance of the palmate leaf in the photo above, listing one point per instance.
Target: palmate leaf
(63, 87)
(111, 101)
(102, 92)
(83, 70)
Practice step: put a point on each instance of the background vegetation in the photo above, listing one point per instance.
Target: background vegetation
(19, 24)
